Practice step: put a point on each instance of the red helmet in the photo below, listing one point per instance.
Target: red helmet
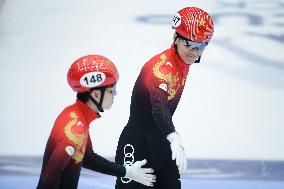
(91, 71)
(194, 24)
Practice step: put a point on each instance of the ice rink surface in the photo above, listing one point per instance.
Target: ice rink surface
(23, 172)
(231, 110)
(27, 182)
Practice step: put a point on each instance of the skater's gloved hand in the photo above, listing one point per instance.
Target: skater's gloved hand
(178, 152)
(142, 175)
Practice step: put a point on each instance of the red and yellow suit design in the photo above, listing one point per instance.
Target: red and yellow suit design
(156, 94)
(75, 132)
(66, 148)
(170, 74)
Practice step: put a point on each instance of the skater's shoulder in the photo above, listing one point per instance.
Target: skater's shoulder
(69, 113)
(164, 65)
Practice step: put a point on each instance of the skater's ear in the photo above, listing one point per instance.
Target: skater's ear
(96, 94)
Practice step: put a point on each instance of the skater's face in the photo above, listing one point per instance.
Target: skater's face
(110, 92)
(189, 51)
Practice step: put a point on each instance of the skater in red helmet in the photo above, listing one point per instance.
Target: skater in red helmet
(150, 132)
(69, 146)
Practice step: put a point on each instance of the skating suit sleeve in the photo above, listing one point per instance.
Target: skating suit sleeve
(166, 82)
(97, 163)
(54, 167)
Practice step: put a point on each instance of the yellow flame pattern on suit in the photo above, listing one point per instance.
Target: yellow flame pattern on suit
(79, 140)
(169, 78)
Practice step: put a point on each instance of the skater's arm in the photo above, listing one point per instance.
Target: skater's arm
(98, 163)
(160, 111)
(134, 172)
(55, 166)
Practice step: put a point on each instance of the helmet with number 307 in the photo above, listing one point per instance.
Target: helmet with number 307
(194, 24)
(91, 71)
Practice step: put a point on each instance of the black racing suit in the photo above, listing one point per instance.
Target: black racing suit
(155, 97)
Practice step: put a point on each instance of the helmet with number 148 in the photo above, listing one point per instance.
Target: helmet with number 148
(89, 73)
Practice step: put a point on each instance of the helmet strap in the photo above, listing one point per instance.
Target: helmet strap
(176, 36)
(198, 60)
(98, 104)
